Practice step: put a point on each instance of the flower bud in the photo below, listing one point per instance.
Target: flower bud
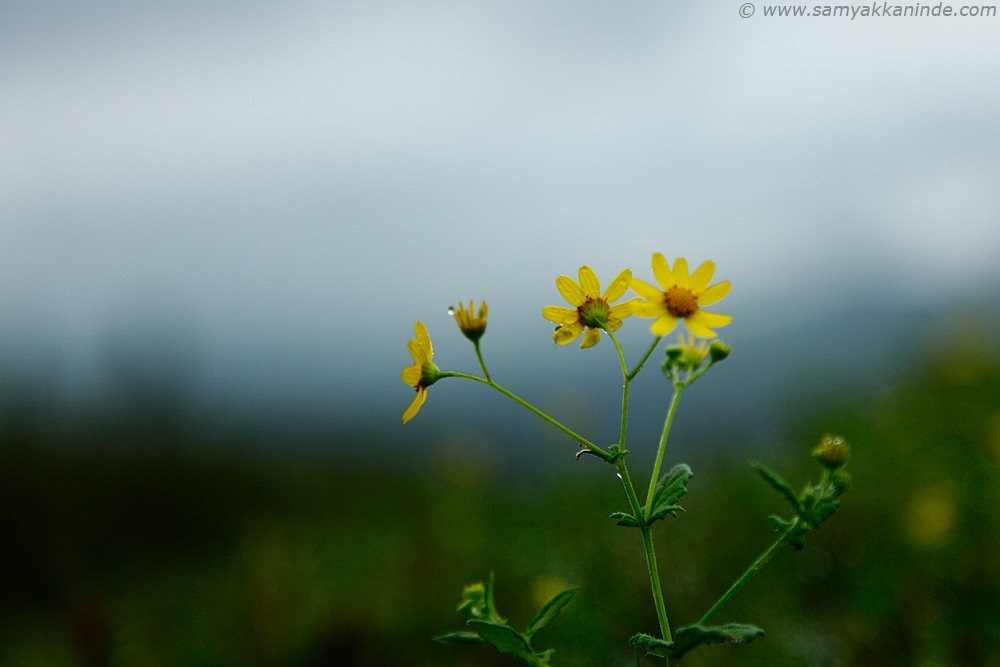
(718, 351)
(833, 452)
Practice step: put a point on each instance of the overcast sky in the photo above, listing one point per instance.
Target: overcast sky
(294, 184)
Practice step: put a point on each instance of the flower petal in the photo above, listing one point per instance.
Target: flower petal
(417, 352)
(664, 325)
(616, 289)
(662, 273)
(568, 333)
(424, 339)
(411, 375)
(570, 291)
(701, 323)
(713, 294)
(626, 308)
(680, 272)
(650, 309)
(415, 405)
(560, 315)
(614, 324)
(589, 282)
(592, 338)
(646, 291)
(701, 277)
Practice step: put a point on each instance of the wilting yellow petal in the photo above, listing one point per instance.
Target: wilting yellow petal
(570, 291)
(411, 375)
(713, 294)
(616, 289)
(415, 405)
(663, 325)
(560, 315)
(662, 273)
(589, 282)
(701, 277)
(592, 338)
(567, 333)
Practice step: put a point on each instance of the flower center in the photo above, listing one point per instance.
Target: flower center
(680, 301)
(594, 312)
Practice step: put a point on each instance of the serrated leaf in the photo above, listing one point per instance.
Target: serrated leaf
(672, 486)
(662, 513)
(693, 636)
(460, 638)
(778, 483)
(549, 611)
(623, 519)
(504, 639)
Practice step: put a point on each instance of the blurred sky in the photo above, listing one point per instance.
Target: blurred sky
(285, 188)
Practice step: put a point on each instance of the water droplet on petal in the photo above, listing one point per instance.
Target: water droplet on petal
(451, 311)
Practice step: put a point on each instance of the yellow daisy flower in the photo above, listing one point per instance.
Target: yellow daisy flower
(591, 310)
(681, 298)
(423, 373)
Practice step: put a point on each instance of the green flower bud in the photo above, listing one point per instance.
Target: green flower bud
(718, 351)
(833, 452)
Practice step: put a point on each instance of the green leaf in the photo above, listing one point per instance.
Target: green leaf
(693, 636)
(549, 611)
(671, 488)
(623, 519)
(504, 639)
(778, 483)
(662, 512)
(460, 638)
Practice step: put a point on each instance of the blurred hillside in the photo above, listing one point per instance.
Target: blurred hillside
(139, 532)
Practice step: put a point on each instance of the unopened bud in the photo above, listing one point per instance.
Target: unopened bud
(833, 452)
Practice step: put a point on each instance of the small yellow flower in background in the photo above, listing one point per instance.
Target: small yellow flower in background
(681, 298)
(472, 326)
(591, 310)
(693, 354)
(423, 373)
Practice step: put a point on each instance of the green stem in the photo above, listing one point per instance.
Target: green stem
(752, 570)
(663, 445)
(654, 582)
(600, 453)
(627, 380)
(635, 371)
(482, 364)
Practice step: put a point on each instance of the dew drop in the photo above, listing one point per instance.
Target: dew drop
(451, 311)
(619, 475)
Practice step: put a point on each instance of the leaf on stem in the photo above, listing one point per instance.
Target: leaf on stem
(504, 639)
(779, 484)
(693, 636)
(549, 611)
(669, 490)
(460, 638)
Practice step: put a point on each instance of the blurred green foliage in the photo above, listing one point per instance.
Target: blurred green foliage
(131, 542)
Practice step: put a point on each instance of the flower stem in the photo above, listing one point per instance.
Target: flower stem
(654, 582)
(482, 364)
(746, 576)
(599, 452)
(635, 371)
(663, 445)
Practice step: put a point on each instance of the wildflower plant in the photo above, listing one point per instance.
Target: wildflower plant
(678, 296)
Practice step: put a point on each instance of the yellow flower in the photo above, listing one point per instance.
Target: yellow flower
(472, 326)
(422, 373)
(692, 354)
(681, 298)
(591, 310)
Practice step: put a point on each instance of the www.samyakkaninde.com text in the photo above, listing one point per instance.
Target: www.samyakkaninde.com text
(878, 10)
